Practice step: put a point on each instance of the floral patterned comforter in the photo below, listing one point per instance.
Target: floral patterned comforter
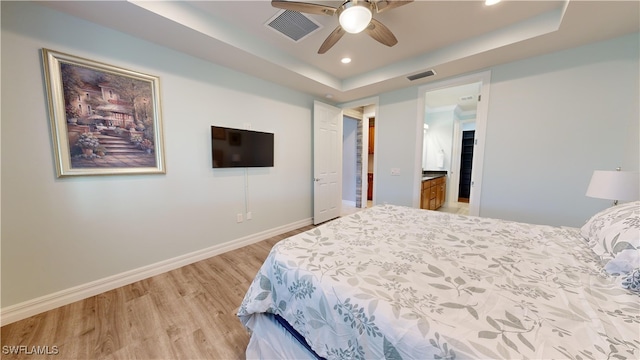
(400, 283)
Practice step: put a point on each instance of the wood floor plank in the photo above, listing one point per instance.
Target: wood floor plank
(186, 313)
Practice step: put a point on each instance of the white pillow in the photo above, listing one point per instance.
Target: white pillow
(613, 230)
(624, 262)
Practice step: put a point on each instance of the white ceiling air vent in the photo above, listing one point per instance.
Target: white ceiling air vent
(293, 25)
(421, 75)
(467, 98)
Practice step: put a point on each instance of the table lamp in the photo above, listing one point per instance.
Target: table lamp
(614, 185)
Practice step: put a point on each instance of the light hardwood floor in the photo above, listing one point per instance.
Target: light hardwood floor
(187, 313)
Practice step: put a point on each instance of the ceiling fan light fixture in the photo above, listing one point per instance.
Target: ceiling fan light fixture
(354, 17)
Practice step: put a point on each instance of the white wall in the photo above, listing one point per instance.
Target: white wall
(468, 126)
(60, 233)
(552, 120)
(439, 138)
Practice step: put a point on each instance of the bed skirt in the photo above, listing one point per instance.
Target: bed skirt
(271, 340)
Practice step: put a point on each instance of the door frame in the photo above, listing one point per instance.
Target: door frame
(481, 125)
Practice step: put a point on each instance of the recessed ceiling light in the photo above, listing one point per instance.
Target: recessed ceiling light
(328, 96)
(345, 60)
(491, 2)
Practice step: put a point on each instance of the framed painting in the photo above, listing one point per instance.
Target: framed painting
(105, 120)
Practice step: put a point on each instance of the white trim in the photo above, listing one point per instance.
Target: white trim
(44, 303)
(419, 149)
(482, 117)
(481, 125)
(453, 186)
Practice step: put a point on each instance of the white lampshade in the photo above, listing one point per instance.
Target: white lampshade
(615, 185)
(355, 18)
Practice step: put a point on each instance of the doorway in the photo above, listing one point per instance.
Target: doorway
(466, 164)
(361, 176)
(450, 108)
(370, 122)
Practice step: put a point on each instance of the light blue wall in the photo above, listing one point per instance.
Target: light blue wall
(396, 147)
(349, 158)
(59, 233)
(552, 120)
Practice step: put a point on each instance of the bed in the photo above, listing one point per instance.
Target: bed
(392, 282)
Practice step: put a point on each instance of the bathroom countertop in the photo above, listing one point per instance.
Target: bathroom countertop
(433, 174)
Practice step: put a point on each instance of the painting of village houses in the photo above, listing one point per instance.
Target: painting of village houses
(108, 122)
(109, 119)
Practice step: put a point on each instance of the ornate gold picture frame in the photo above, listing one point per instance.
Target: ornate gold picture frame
(105, 120)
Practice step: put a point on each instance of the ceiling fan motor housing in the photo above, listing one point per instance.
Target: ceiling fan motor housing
(354, 16)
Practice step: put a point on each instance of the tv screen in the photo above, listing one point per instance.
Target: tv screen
(241, 148)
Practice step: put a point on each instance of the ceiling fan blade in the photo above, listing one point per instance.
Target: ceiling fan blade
(384, 5)
(381, 33)
(304, 7)
(331, 40)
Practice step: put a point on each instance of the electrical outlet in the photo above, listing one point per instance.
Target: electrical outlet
(395, 172)
(239, 218)
(249, 215)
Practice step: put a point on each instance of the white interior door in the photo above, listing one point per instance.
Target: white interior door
(327, 162)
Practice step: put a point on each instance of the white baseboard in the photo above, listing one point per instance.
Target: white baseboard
(44, 303)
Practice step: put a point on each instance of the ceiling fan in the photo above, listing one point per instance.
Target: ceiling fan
(354, 16)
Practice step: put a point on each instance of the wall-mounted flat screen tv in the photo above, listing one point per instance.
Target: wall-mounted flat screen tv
(241, 148)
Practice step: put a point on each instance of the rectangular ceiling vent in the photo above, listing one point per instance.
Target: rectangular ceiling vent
(421, 75)
(293, 25)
